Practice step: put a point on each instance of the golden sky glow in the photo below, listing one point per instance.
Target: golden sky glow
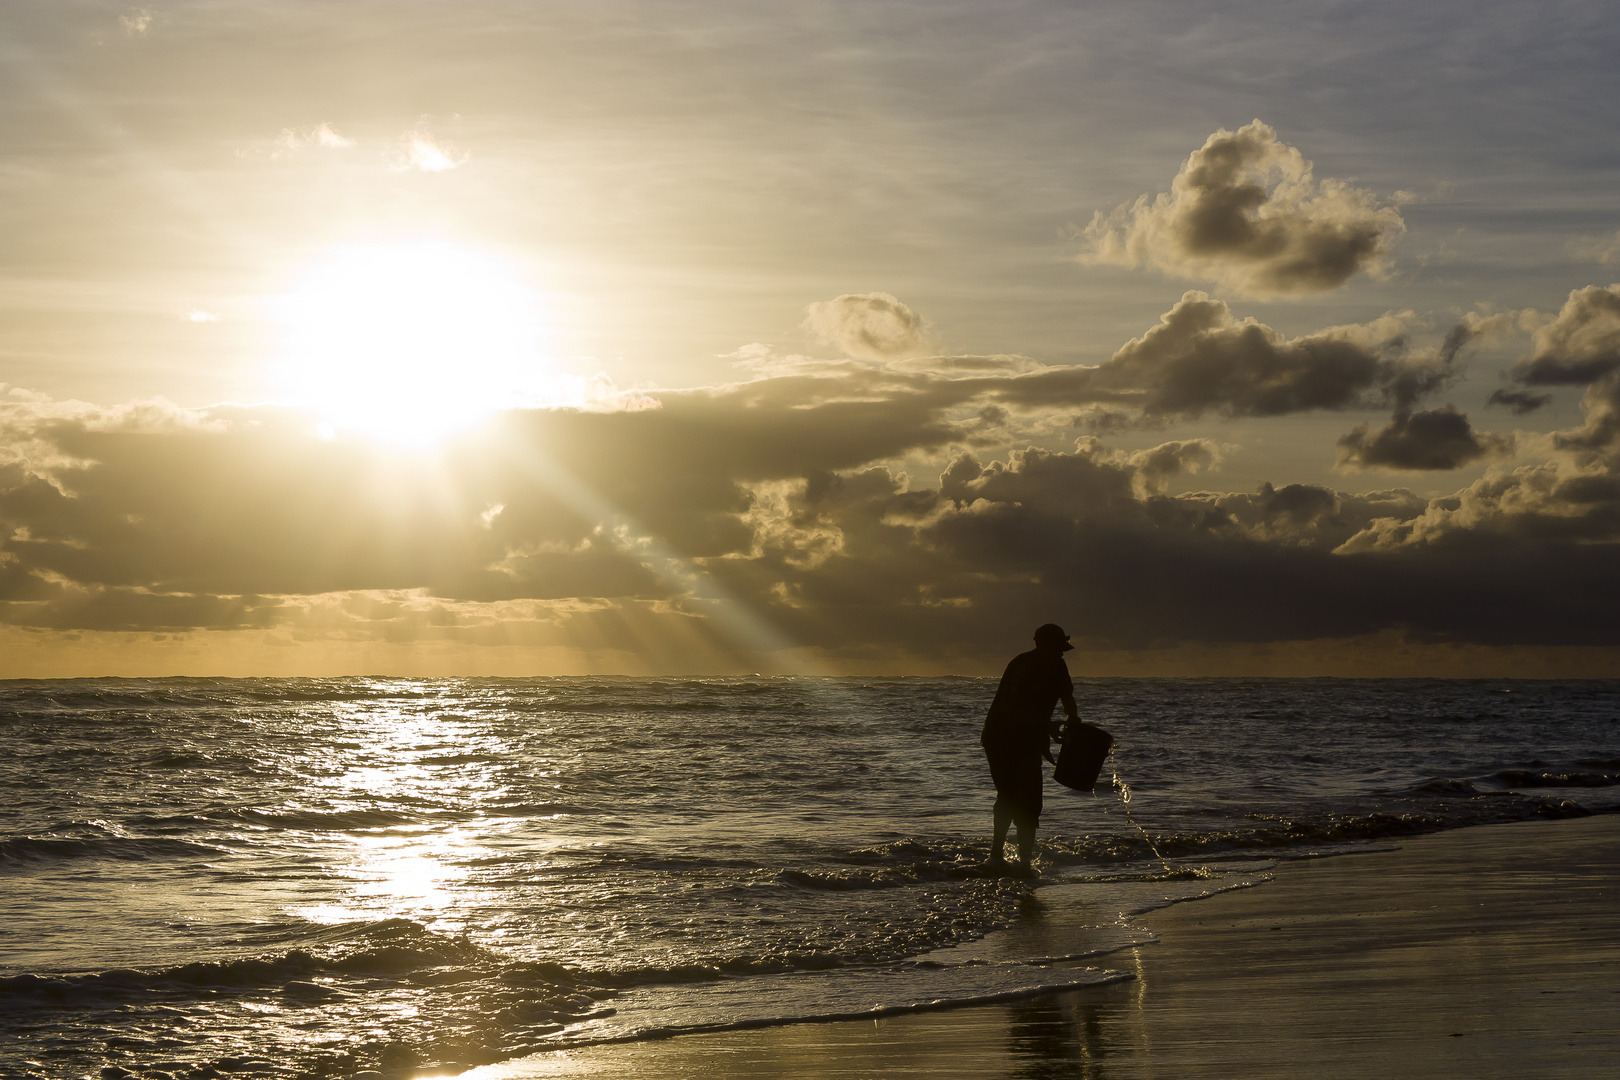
(841, 337)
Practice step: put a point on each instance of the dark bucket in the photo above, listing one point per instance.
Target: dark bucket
(1085, 748)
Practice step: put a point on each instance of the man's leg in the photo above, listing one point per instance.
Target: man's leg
(1026, 840)
(1003, 820)
(1026, 807)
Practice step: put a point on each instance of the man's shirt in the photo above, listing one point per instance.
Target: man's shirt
(1031, 687)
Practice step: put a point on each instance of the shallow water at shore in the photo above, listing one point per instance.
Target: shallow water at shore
(320, 877)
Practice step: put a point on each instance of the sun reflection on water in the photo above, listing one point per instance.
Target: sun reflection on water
(417, 871)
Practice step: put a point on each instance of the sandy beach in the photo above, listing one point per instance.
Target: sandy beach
(1491, 951)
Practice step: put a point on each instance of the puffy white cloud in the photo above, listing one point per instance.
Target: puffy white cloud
(1246, 212)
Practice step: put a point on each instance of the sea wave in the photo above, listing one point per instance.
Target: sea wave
(450, 1003)
(26, 849)
(1563, 778)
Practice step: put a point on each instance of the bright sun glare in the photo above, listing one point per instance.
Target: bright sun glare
(409, 341)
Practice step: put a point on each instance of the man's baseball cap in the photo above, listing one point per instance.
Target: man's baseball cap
(1052, 632)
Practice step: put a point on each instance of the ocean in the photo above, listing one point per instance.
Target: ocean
(378, 876)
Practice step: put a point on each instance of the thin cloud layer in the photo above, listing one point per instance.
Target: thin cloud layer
(1246, 213)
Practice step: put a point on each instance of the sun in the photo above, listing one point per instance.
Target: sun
(408, 341)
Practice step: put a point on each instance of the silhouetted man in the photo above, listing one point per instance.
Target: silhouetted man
(1018, 732)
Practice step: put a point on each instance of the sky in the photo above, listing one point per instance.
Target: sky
(619, 338)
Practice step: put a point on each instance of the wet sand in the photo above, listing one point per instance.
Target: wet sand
(1484, 952)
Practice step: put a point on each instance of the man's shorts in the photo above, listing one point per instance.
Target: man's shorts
(1017, 775)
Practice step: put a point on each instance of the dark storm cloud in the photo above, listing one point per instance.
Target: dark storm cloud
(1245, 211)
(1436, 439)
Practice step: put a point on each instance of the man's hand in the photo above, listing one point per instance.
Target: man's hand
(1054, 733)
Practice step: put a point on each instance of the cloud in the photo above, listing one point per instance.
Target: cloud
(240, 519)
(1573, 497)
(1156, 467)
(420, 149)
(968, 366)
(1522, 402)
(1603, 249)
(1437, 439)
(1305, 515)
(1579, 345)
(323, 135)
(1201, 358)
(1246, 213)
(327, 136)
(1047, 531)
(1484, 324)
(874, 326)
(840, 506)
(1597, 441)
(136, 21)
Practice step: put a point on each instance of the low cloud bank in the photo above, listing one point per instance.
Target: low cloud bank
(783, 498)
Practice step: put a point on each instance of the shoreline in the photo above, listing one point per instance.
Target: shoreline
(1492, 950)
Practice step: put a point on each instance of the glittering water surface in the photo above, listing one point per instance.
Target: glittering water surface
(321, 877)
